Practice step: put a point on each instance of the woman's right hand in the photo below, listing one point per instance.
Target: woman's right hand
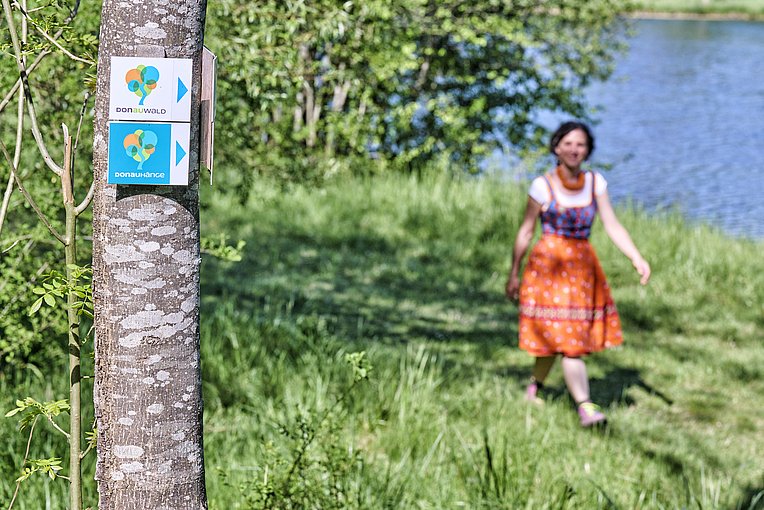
(513, 288)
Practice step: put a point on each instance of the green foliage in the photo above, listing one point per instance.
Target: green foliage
(33, 409)
(58, 86)
(56, 285)
(314, 468)
(24, 339)
(219, 248)
(360, 364)
(310, 89)
(50, 467)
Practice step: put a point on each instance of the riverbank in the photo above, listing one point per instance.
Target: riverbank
(719, 16)
(752, 10)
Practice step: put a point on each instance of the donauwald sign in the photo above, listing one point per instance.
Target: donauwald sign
(150, 89)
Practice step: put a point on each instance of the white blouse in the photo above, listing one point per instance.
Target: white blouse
(539, 191)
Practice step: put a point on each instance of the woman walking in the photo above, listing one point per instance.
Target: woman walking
(565, 303)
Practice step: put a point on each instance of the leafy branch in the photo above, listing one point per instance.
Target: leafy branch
(220, 248)
(56, 285)
(34, 409)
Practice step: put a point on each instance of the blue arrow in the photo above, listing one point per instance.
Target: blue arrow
(179, 153)
(182, 89)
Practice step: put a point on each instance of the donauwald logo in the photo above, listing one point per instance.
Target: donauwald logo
(142, 81)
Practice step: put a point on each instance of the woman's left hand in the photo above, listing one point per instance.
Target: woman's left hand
(643, 268)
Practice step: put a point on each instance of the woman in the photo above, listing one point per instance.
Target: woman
(565, 302)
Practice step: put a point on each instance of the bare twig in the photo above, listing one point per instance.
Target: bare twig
(79, 124)
(55, 426)
(16, 159)
(67, 190)
(19, 138)
(23, 75)
(12, 92)
(86, 201)
(89, 197)
(29, 198)
(26, 456)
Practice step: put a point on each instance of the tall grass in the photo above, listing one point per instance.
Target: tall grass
(411, 271)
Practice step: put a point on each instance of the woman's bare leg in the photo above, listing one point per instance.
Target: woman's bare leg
(574, 372)
(541, 369)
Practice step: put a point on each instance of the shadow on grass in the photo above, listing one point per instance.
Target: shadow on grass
(366, 289)
(613, 387)
(753, 499)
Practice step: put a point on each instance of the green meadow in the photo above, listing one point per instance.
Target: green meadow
(410, 272)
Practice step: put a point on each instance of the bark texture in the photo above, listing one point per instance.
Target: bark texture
(146, 290)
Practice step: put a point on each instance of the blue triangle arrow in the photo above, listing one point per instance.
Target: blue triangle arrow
(182, 89)
(179, 153)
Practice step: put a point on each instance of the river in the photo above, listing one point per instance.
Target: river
(682, 122)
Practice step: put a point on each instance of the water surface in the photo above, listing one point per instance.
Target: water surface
(682, 120)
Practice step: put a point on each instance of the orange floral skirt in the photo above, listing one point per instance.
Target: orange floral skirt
(565, 301)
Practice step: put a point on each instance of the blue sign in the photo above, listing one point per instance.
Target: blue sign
(150, 153)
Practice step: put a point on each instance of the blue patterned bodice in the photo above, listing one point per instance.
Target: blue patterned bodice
(575, 222)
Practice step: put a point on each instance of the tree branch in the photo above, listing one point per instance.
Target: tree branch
(43, 54)
(29, 198)
(52, 40)
(89, 197)
(26, 456)
(27, 91)
(16, 159)
(86, 201)
(12, 92)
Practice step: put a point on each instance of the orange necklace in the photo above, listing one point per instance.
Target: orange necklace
(574, 184)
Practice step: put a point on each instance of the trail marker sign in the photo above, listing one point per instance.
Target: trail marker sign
(150, 89)
(150, 114)
(153, 153)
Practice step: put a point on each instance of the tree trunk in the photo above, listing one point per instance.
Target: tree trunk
(146, 261)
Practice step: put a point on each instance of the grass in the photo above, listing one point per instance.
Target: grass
(411, 271)
(753, 9)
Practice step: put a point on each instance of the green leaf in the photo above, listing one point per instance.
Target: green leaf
(35, 307)
(49, 300)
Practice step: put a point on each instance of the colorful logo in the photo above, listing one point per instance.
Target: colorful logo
(140, 145)
(142, 80)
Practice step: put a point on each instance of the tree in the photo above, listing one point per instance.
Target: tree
(146, 289)
(318, 85)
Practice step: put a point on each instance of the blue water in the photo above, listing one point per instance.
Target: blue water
(682, 120)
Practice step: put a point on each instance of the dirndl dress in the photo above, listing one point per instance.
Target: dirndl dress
(565, 301)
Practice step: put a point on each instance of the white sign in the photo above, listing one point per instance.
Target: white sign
(150, 89)
(153, 153)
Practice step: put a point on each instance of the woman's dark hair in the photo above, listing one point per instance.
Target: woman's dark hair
(566, 128)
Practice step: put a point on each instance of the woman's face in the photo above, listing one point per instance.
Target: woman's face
(573, 149)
